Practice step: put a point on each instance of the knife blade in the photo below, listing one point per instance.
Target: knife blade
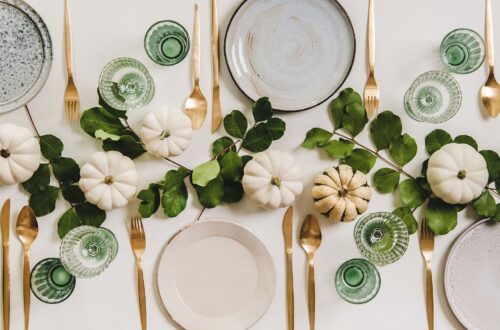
(4, 226)
(288, 235)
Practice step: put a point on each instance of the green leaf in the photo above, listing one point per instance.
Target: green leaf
(403, 149)
(496, 217)
(90, 215)
(175, 178)
(338, 148)
(67, 222)
(493, 164)
(231, 166)
(485, 205)
(497, 184)
(51, 146)
(175, 195)
(440, 217)
(66, 170)
(100, 134)
(39, 181)
(262, 110)
(409, 219)
(100, 118)
(245, 159)
(384, 128)
(422, 181)
(466, 139)
(110, 109)
(354, 119)
(233, 192)
(222, 144)
(315, 137)
(425, 166)
(347, 96)
(361, 160)
(386, 180)
(412, 194)
(436, 140)
(205, 172)
(150, 200)
(73, 194)
(211, 195)
(44, 202)
(276, 127)
(257, 139)
(236, 124)
(128, 145)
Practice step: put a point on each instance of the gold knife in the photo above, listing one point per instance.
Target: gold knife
(288, 235)
(216, 106)
(5, 222)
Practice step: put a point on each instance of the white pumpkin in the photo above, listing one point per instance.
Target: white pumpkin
(272, 179)
(341, 194)
(166, 133)
(109, 180)
(457, 173)
(20, 154)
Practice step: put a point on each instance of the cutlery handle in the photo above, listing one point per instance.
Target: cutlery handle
(371, 36)
(142, 295)
(490, 49)
(215, 43)
(429, 295)
(26, 289)
(311, 295)
(289, 291)
(196, 45)
(67, 39)
(6, 289)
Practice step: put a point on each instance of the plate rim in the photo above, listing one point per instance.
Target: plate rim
(351, 27)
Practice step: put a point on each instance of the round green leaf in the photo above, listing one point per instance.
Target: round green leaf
(338, 148)
(360, 159)
(384, 128)
(440, 217)
(51, 146)
(409, 219)
(174, 200)
(412, 194)
(66, 170)
(354, 119)
(231, 166)
(99, 118)
(496, 217)
(44, 202)
(73, 194)
(493, 164)
(39, 181)
(205, 172)
(233, 192)
(128, 144)
(436, 140)
(465, 139)
(262, 110)
(316, 137)
(258, 139)
(497, 184)
(90, 215)
(67, 222)
(403, 149)
(276, 127)
(236, 124)
(211, 195)
(485, 205)
(386, 180)
(150, 200)
(245, 159)
(222, 144)
(100, 134)
(346, 96)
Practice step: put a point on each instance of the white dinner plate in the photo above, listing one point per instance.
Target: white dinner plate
(216, 275)
(472, 277)
(296, 52)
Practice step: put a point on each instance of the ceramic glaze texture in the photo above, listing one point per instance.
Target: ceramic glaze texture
(296, 52)
(25, 54)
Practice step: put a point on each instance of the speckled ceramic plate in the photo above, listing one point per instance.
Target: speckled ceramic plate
(296, 52)
(472, 276)
(25, 54)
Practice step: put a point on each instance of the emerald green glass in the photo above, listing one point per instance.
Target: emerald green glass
(125, 84)
(51, 282)
(87, 251)
(357, 281)
(462, 51)
(381, 237)
(167, 43)
(434, 97)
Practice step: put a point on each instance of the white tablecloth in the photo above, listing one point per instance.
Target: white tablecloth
(408, 38)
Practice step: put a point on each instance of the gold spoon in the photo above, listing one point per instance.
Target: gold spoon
(310, 240)
(27, 231)
(196, 104)
(490, 93)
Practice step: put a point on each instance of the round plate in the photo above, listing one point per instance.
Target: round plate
(471, 276)
(216, 275)
(25, 53)
(167, 43)
(296, 52)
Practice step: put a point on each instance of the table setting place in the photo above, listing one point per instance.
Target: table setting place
(153, 203)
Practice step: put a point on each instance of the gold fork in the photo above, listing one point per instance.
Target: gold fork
(71, 97)
(138, 242)
(371, 94)
(427, 247)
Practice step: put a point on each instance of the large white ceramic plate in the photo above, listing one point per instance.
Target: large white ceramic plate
(216, 275)
(296, 52)
(472, 277)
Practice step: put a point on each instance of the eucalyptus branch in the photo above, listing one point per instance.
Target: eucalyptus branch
(227, 149)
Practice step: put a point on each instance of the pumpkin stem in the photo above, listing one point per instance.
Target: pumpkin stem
(276, 181)
(344, 192)
(5, 153)
(108, 180)
(164, 135)
(461, 174)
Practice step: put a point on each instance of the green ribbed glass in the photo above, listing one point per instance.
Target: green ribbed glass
(125, 84)
(167, 43)
(357, 281)
(381, 237)
(50, 281)
(462, 51)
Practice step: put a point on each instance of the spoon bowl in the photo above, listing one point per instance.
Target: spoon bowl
(196, 107)
(490, 96)
(27, 227)
(310, 236)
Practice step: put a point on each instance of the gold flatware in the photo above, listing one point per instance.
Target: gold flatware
(5, 226)
(310, 240)
(427, 247)
(288, 235)
(490, 92)
(196, 104)
(138, 242)
(371, 94)
(216, 106)
(71, 97)
(27, 231)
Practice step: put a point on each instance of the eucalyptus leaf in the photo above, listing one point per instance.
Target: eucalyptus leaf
(466, 139)
(51, 146)
(316, 137)
(360, 159)
(236, 124)
(231, 166)
(425, 166)
(338, 148)
(440, 217)
(175, 178)
(150, 200)
(346, 96)
(276, 127)
(90, 215)
(436, 140)
(493, 164)
(233, 191)
(497, 185)
(66, 170)
(99, 118)
(102, 135)
(222, 144)
(386, 180)
(407, 216)
(262, 109)
(73, 194)
(44, 202)
(205, 172)
(39, 181)
(128, 145)
(67, 222)
(485, 205)
(496, 217)
(175, 195)
(258, 139)
(403, 149)
(245, 159)
(354, 119)
(384, 128)
(211, 195)
(412, 194)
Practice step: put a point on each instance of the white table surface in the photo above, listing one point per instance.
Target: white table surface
(408, 38)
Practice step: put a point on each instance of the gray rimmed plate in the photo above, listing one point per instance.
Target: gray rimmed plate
(25, 54)
(296, 52)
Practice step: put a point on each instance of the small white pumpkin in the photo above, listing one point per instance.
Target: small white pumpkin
(341, 194)
(457, 173)
(166, 133)
(109, 180)
(20, 154)
(272, 179)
